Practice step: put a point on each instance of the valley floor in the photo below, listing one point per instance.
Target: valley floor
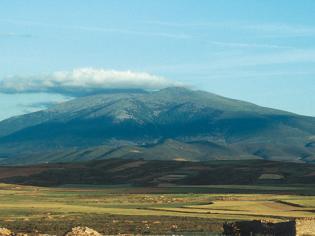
(123, 209)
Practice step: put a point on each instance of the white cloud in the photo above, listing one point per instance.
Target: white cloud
(84, 81)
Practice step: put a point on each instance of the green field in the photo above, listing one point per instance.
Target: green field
(123, 209)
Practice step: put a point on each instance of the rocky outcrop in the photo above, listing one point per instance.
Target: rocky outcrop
(5, 232)
(82, 231)
(305, 226)
(259, 227)
(77, 231)
(297, 227)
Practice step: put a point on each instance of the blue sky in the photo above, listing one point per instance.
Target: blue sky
(262, 51)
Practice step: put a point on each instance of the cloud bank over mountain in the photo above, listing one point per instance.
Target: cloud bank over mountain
(84, 81)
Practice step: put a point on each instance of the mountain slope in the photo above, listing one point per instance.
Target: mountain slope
(208, 126)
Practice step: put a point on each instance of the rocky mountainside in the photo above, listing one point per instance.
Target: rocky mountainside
(173, 123)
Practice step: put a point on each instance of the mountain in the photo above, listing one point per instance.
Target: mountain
(173, 124)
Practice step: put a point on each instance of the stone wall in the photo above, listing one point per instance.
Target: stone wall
(256, 227)
(297, 227)
(305, 226)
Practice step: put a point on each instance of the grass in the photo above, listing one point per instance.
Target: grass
(126, 209)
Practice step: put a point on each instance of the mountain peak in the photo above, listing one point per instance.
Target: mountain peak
(147, 118)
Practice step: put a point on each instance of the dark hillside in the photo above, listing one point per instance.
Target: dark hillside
(160, 173)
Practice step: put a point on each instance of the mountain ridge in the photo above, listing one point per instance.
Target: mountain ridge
(146, 118)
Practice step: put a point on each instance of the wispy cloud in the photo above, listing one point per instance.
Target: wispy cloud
(100, 29)
(37, 106)
(84, 81)
(270, 29)
(129, 31)
(246, 45)
(229, 60)
(279, 29)
(271, 58)
(15, 35)
(246, 65)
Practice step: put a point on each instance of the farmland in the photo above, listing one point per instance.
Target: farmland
(126, 209)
